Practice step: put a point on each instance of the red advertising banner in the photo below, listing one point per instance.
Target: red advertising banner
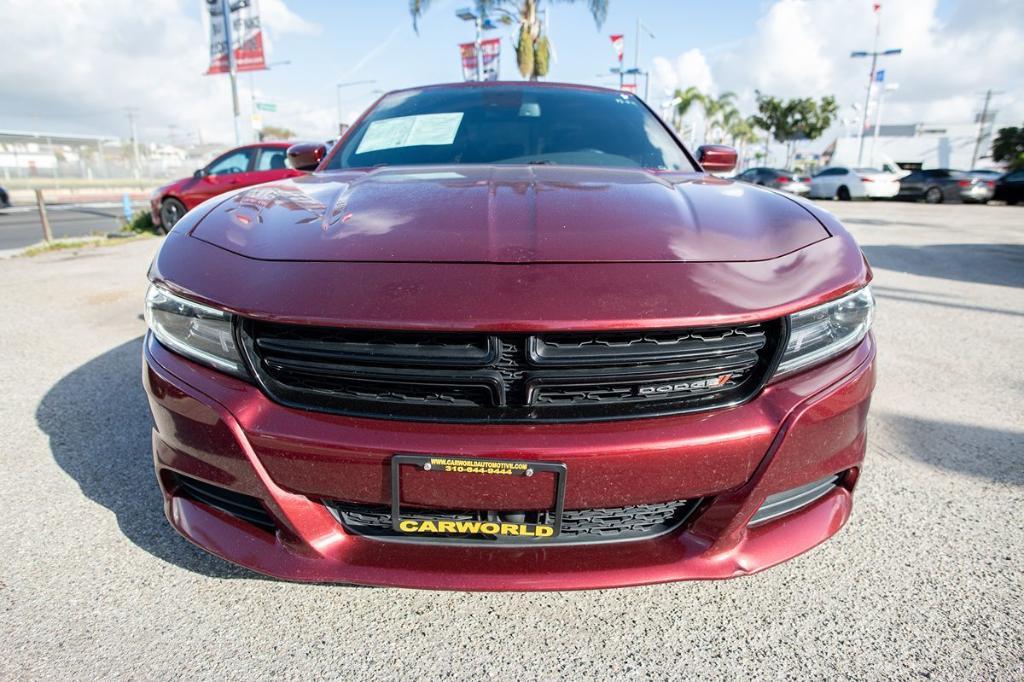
(246, 36)
(491, 49)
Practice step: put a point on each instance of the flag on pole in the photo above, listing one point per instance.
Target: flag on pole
(617, 43)
(491, 49)
(880, 76)
(246, 37)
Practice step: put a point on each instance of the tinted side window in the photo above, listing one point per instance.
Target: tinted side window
(272, 158)
(232, 162)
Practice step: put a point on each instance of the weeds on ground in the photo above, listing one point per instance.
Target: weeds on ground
(142, 223)
(79, 243)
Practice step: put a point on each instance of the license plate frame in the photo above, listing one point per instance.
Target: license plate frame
(442, 464)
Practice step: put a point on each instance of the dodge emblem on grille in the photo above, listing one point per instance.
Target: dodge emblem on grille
(684, 386)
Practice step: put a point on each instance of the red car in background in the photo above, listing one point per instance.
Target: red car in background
(239, 167)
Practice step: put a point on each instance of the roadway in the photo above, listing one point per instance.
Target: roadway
(20, 225)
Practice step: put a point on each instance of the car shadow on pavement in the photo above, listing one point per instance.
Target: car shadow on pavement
(99, 425)
(979, 451)
(1000, 264)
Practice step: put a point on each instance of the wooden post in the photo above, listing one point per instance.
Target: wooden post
(42, 216)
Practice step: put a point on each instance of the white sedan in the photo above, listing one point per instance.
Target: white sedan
(839, 182)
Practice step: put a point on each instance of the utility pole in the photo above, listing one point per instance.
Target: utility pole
(981, 127)
(225, 6)
(874, 54)
(136, 165)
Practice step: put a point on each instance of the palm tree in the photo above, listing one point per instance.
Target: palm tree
(684, 99)
(716, 112)
(532, 49)
(742, 132)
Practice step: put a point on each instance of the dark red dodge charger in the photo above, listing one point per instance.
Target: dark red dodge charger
(508, 337)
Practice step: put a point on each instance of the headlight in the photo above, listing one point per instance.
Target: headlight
(198, 332)
(824, 331)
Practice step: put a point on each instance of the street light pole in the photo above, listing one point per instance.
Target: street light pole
(257, 136)
(478, 47)
(636, 54)
(874, 54)
(878, 115)
(338, 87)
(225, 6)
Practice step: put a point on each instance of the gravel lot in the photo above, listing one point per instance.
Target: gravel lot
(925, 581)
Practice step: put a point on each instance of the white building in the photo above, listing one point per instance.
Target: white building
(912, 146)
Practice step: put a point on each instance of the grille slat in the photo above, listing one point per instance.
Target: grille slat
(498, 378)
(578, 526)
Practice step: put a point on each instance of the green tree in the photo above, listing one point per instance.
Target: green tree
(533, 48)
(276, 133)
(795, 119)
(1008, 147)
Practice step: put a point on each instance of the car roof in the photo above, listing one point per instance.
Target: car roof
(523, 85)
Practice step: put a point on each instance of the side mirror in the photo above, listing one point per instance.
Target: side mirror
(716, 157)
(306, 156)
(199, 173)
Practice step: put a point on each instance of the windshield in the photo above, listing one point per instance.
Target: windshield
(510, 125)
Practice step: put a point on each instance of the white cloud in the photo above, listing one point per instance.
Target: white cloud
(801, 48)
(277, 19)
(689, 69)
(75, 67)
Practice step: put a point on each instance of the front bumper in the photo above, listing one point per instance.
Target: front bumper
(225, 432)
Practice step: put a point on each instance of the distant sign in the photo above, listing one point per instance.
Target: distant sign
(266, 106)
(246, 36)
(880, 76)
(491, 49)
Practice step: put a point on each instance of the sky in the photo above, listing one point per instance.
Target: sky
(76, 67)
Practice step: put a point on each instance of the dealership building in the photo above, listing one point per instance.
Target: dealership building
(913, 146)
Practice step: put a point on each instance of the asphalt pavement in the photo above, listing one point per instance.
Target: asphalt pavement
(925, 581)
(20, 226)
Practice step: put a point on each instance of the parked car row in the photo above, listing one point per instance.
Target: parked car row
(269, 161)
(934, 185)
(776, 179)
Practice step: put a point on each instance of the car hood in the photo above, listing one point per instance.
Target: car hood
(509, 214)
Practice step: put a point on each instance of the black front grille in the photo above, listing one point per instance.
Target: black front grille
(581, 525)
(239, 505)
(509, 377)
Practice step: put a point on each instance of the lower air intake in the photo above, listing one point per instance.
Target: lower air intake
(244, 507)
(610, 524)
